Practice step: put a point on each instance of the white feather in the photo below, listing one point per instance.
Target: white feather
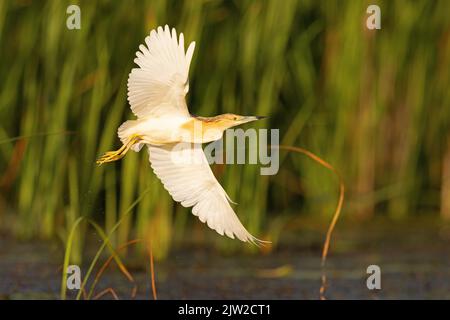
(159, 86)
(193, 184)
(156, 93)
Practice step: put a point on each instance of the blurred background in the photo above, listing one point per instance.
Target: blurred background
(373, 103)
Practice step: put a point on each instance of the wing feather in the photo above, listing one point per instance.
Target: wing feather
(160, 84)
(186, 175)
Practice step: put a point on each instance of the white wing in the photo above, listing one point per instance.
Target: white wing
(186, 175)
(160, 84)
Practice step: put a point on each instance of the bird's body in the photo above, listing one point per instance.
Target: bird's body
(162, 130)
(155, 131)
(156, 93)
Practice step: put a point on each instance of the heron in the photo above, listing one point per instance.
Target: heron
(173, 136)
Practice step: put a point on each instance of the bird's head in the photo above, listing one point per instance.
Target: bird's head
(229, 120)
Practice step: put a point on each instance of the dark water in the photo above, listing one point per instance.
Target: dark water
(414, 263)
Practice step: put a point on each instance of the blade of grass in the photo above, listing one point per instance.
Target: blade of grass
(106, 264)
(106, 240)
(39, 134)
(67, 257)
(152, 271)
(68, 252)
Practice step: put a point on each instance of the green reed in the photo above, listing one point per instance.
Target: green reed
(375, 104)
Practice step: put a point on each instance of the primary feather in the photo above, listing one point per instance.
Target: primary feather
(160, 83)
(186, 175)
(156, 91)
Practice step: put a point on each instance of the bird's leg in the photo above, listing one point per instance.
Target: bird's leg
(111, 156)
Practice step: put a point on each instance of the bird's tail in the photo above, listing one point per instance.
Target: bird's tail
(126, 131)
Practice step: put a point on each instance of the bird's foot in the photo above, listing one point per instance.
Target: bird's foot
(111, 156)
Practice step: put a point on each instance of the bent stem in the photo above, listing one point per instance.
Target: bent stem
(106, 239)
(134, 290)
(67, 256)
(152, 271)
(38, 134)
(107, 263)
(337, 212)
(70, 240)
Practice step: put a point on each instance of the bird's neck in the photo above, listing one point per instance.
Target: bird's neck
(203, 129)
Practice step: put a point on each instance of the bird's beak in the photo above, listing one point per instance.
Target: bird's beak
(251, 118)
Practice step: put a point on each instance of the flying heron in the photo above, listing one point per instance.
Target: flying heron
(156, 93)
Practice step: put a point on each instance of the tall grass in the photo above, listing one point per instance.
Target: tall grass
(375, 104)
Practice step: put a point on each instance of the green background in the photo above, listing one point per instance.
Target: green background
(373, 103)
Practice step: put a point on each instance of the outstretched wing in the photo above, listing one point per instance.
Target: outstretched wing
(161, 82)
(186, 175)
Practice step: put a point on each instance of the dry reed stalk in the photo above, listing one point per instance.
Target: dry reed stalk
(336, 215)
